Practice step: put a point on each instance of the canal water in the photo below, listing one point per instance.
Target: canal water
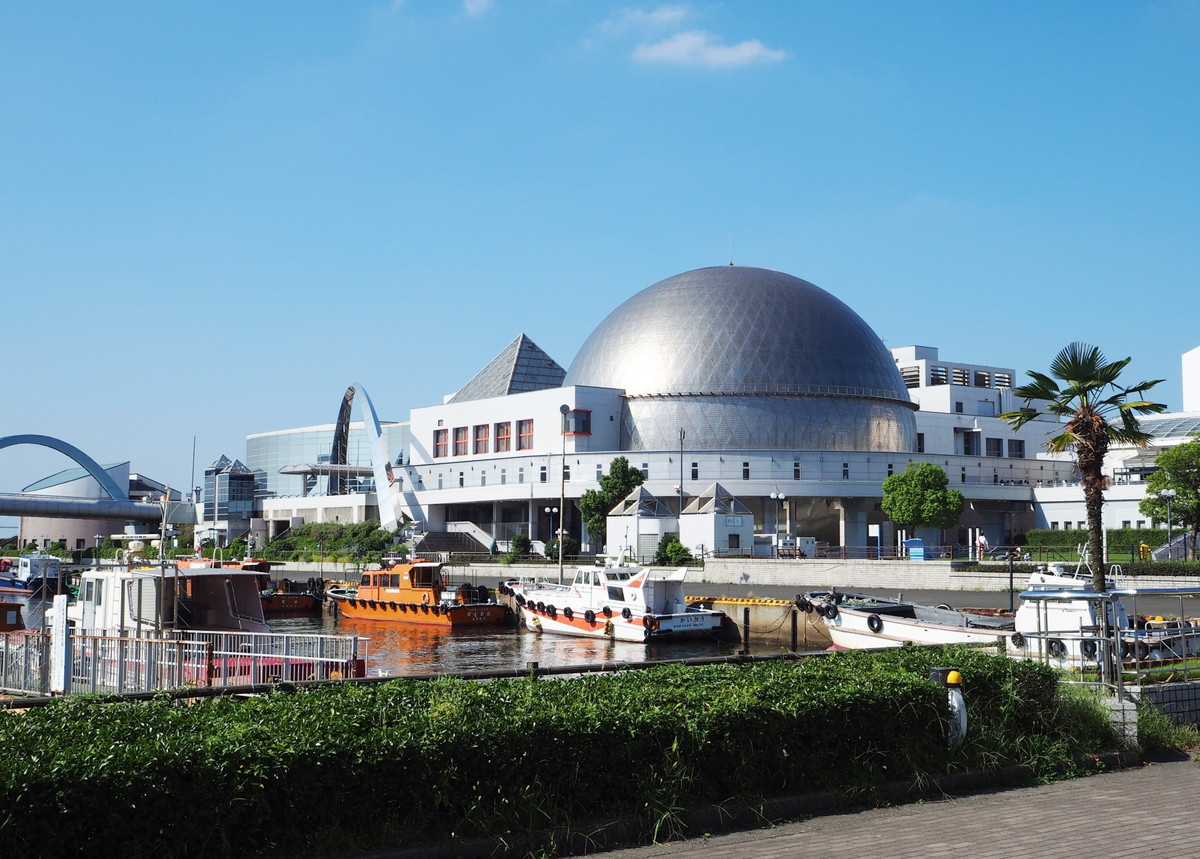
(399, 650)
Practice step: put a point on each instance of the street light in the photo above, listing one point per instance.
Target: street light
(563, 410)
(550, 514)
(782, 499)
(1167, 495)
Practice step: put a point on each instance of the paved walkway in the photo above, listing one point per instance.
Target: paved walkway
(1149, 810)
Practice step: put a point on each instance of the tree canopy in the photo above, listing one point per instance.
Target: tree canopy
(594, 505)
(918, 498)
(1178, 470)
(1097, 412)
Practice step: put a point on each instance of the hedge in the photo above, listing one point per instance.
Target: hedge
(343, 768)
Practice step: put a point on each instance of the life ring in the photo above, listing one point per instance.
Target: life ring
(874, 623)
(1056, 647)
(1017, 639)
(831, 611)
(425, 599)
(943, 607)
(589, 616)
(626, 612)
(1088, 647)
(568, 613)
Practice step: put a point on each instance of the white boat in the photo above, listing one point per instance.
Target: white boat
(1050, 623)
(135, 600)
(859, 621)
(614, 601)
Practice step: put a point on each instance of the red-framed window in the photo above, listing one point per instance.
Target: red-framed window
(525, 434)
(503, 437)
(481, 439)
(441, 443)
(460, 441)
(578, 422)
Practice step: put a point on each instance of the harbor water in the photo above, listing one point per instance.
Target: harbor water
(408, 650)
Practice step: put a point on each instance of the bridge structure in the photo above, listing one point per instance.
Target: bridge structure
(118, 504)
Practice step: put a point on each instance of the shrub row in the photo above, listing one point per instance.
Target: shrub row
(335, 769)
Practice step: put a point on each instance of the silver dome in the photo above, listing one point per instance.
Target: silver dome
(747, 358)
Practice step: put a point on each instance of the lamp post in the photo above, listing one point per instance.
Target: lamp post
(782, 499)
(563, 410)
(1168, 495)
(99, 542)
(550, 513)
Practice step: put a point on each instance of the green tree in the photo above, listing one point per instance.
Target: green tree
(594, 505)
(1097, 412)
(918, 498)
(671, 553)
(1178, 469)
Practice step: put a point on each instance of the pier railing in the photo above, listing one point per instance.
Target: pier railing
(123, 665)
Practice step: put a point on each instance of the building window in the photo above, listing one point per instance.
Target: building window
(745, 471)
(995, 447)
(735, 541)
(911, 376)
(503, 477)
(963, 479)
(645, 471)
(578, 422)
(521, 475)
(525, 434)
(958, 408)
(970, 444)
(441, 443)
(920, 442)
(1002, 380)
(599, 471)
(542, 474)
(481, 438)
(845, 471)
(1053, 526)
(460, 441)
(1016, 448)
(889, 469)
(961, 377)
(483, 478)
(503, 438)
(795, 469)
(1125, 524)
(462, 480)
(566, 472)
(1141, 523)
(695, 471)
(982, 380)
(938, 376)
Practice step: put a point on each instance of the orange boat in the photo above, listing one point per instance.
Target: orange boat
(415, 593)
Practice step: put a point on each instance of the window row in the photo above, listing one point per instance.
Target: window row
(483, 438)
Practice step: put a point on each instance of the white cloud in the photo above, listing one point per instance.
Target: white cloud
(698, 48)
(476, 7)
(640, 20)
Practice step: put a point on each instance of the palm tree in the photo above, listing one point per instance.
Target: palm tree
(1090, 401)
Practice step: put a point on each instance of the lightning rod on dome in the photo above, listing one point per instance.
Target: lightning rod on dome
(731, 247)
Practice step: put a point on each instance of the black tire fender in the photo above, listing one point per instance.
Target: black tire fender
(874, 623)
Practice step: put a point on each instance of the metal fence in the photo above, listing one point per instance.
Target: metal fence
(122, 665)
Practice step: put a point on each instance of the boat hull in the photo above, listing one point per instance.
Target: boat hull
(855, 630)
(422, 614)
(636, 628)
(288, 604)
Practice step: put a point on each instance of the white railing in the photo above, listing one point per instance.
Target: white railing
(121, 665)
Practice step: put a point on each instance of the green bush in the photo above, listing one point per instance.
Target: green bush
(336, 769)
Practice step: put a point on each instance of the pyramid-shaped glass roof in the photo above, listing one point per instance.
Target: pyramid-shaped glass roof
(521, 367)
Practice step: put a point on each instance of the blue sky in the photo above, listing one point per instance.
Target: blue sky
(216, 216)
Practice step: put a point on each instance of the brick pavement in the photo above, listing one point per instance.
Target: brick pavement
(1148, 810)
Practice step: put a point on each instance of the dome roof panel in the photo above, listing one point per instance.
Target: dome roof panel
(733, 329)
